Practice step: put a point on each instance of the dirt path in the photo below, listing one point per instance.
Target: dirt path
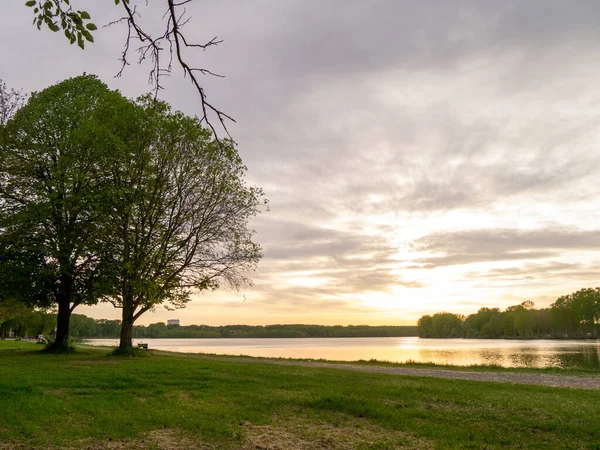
(568, 381)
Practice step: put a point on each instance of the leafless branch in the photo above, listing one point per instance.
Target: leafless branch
(174, 42)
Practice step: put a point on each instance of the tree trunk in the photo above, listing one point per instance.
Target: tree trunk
(63, 320)
(127, 326)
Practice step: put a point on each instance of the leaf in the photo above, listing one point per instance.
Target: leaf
(84, 15)
(80, 41)
(91, 27)
(30, 3)
(87, 35)
(75, 18)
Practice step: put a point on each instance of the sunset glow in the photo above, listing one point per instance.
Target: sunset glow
(411, 166)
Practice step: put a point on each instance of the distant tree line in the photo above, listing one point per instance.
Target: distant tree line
(576, 315)
(28, 322)
(160, 330)
(24, 321)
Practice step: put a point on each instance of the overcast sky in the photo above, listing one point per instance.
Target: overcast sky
(418, 156)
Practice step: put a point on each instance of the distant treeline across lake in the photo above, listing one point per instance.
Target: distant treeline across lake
(160, 330)
(32, 323)
(576, 315)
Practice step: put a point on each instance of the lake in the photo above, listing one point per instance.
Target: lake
(460, 352)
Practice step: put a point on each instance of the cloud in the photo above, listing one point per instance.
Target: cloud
(468, 128)
(540, 271)
(305, 261)
(472, 246)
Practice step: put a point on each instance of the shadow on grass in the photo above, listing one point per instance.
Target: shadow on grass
(59, 348)
(131, 352)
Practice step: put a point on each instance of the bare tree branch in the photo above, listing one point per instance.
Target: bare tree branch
(174, 41)
(61, 15)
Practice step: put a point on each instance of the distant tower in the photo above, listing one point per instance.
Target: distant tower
(173, 322)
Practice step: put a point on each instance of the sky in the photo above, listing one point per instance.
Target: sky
(418, 156)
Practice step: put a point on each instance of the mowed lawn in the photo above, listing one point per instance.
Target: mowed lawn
(91, 400)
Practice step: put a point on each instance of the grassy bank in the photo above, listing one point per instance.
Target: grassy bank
(570, 371)
(90, 400)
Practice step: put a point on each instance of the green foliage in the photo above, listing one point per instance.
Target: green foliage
(424, 325)
(180, 210)
(130, 202)
(10, 101)
(65, 347)
(160, 330)
(23, 321)
(441, 325)
(51, 188)
(576, 315)
(29, 322)
(85, 327)
(52, 197)
(59, 15)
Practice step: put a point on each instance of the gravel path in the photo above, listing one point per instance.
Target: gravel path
(568, 381)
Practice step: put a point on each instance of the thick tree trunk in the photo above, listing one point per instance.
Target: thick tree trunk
(127, 320)
(126, 334)
(63, 320)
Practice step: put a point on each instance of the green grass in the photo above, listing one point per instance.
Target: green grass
(90, 399)
(571, 371)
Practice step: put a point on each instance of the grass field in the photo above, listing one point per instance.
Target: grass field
(91, 400)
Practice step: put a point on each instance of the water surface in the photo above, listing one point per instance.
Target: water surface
(461, 352)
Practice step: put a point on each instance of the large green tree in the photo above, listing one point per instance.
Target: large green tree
(180, 213)
(53, 187)
(105, 198)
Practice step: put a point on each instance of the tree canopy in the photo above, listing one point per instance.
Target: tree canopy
(180, 213)
(575, 315)
(52, 196)
(105, 198)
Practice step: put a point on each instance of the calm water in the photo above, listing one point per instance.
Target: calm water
(535, 353)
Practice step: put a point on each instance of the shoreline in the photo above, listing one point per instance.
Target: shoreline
(332, 363)
(511, 377)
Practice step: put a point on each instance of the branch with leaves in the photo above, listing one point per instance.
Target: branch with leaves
(60, 15)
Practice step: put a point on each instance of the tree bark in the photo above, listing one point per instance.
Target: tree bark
(63, 320)
(127, 320)
(126, 334)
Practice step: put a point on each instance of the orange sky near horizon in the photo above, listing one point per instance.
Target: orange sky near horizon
(418, 156)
